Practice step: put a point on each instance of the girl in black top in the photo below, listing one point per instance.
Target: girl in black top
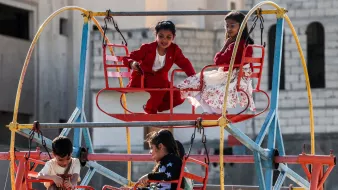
(164, 152)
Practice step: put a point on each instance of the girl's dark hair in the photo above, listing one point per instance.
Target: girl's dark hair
(166, 138)
(165, 25)
(62, 146)
(181, 150)
(239, 17)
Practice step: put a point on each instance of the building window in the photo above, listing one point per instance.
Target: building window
(271, 52)
(144, 34)
(14, 22)
(129, 34)
(232, 6)
(63, 26)
(315, 54)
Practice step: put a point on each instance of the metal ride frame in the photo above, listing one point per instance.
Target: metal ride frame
(266, 159)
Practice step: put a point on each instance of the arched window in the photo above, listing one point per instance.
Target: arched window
(271, 53)
(315, 54)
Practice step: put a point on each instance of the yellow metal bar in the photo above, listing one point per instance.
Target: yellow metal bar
(221, 158)
(307, 81)
(99, 14)
(276, 11)
(210, 123)
(12, 162)
(25, 126)
(269, 11)
(21, 80)
(30, 51)
(124, 101)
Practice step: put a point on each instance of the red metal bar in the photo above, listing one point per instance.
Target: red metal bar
(307, 159)
(106, 187)
(320, 187)
(290, 159)
(142, 89)
(105, 66)
(201, 179)
(315, 176)
(126, 157)
(326, 174)
(234, 118)
(39, 180)
(108, 57)
(84, 187)
(307, 172)
(193, 176)
(20, 174)
(190, 159)
(322, 159)
(146, 157)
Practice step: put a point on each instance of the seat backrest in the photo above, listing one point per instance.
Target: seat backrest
(111, 63)
(31, 176)
(108, 187)
(201, 179)
(256, 64)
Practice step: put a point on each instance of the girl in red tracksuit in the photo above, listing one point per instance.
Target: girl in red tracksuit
(154, 60)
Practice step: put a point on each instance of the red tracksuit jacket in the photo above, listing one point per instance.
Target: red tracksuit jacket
(159, 100)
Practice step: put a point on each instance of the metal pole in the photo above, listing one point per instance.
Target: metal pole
(81, 81)
(274, 98)
(294, 176)
(176, 13)
(108, 125)
(246, 141)
(290, 159)
(171, 13)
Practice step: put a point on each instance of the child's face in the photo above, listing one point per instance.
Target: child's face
(232, 27)
(164, 38)
(63, 162)
(157, 153)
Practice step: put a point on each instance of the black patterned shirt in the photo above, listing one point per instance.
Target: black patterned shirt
(169, 169)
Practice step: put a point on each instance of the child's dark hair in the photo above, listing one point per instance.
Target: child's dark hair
(180, 148)
(166, 138)
(239, 17)
(165, 25)
(62, 146)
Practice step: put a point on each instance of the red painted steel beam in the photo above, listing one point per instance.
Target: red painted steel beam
(146, 158)
(307, 159)
(300, 159)
(20, 175)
